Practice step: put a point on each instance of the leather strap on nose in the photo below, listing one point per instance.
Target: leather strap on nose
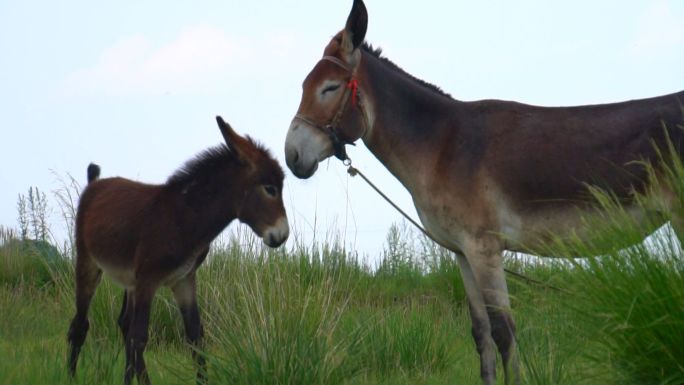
(338, 143)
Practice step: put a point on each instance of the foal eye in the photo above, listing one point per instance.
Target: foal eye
(271, 190)
(330, 88)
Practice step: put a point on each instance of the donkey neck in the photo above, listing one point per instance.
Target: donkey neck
(407, 117)
(210, 203)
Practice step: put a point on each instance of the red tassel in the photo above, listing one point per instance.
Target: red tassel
(354, 86)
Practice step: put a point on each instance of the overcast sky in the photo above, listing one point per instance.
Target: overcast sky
(134, 86)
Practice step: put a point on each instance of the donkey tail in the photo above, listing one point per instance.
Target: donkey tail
(93, 172)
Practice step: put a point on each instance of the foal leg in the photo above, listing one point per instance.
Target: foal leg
(87, 278)
(185, 293)
(125, 314)
(137, 333)
(486, 262)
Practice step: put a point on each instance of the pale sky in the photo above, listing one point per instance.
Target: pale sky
(134, 86)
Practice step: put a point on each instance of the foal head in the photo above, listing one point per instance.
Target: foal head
(259, 181)
(330, 113)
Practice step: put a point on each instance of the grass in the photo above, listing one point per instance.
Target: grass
(632, 299)
(303, 317)
(319, 315)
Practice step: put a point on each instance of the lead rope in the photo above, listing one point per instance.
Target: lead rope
(353, 171)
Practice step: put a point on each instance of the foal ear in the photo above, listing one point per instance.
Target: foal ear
(355, 30)
(234, 141)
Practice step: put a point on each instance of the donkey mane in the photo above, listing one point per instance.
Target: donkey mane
(377, 53)
(203, 164)
(207, 162)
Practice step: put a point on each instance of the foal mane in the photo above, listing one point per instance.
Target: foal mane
(203, 164)
(208, 162)
(377, 53)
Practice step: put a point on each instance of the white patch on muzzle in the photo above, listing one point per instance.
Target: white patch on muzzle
(305, 146)
(275, 235)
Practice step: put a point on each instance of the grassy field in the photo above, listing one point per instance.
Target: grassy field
(320, 316)
(317, 314)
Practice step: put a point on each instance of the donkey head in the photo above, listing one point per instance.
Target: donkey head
(260, 202)
(330, 114)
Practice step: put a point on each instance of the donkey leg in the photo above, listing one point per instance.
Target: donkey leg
(503, 329)
(87, 278)
(125, 314)
(185, 293)
(486, 262)
(481, 328)
(136, 338)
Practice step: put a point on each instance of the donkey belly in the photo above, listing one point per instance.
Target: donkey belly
(536, 231)
(122, 273)
(181, 271)
(169, 271)
(452, 221)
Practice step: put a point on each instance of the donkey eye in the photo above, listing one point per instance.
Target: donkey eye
(271, 190)
(330, 88)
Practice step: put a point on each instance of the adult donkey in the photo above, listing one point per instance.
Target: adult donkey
(146, 236)
(484, 176)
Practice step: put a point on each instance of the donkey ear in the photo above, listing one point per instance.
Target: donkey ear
(355, 30)
(229, 135)
(233, 140)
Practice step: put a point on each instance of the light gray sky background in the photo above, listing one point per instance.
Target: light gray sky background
(134, 86)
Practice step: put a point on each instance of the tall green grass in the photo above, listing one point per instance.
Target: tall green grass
(632, 303)
(288, 317)
(403, 339)
(27, 260)
(277, 323)
(319, 314)
(632, 299)
(300, 318)
(314, 316)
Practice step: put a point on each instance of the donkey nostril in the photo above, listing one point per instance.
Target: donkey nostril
(271, 239)
(295, 158)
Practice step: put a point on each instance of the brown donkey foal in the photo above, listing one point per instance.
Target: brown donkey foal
(147, 236)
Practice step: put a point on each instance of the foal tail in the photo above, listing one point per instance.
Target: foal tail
(93, 172)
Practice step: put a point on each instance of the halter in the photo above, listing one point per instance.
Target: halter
(331, 128)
